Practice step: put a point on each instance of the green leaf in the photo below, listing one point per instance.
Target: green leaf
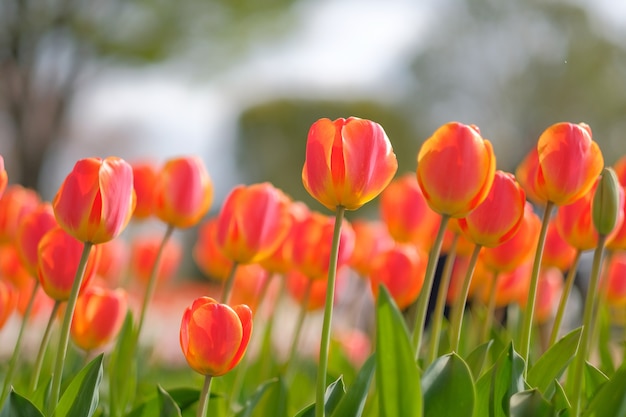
(448, 388)
(185, 397)
(530, 404)
(332, 397)
(80, 399)
(17, 406)
(553, 363)
(609, 399)
(594, 379)
(167, 405)
(398, 378)
(252, 402)
(274, 402)
(560, 402)
(353, 402)
(477, 359)
(122, 369)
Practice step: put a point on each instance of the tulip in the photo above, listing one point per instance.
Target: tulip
(510, 286)
(526, 175)
(617, 241)
(96, 200)
(16, 202)
(32, 228)
(297, 284)
(373, 239)
(8, 301)
(98, 317)
(620, 170)
(348, 162)
(207, 254)
(143, 257)
(114, 256)
(406, 213)
(250, 285)
(214, 336)
(4, 178)
(548, 293)
(144, 182)
(557, 252)
(608, 202)
(183, 192)
(615, 285)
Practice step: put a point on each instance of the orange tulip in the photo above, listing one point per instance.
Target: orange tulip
(144, 182)
(615, 284)
(207, 254)
(373, 239)
(183, 192)
(455, 169)
(557, 252)
(549, 288)
(98, 317)
(620, 170)
(480, 278)
(249, 283)
(401, 270)
(253, 222)
(618, 238)
(8, 301)
(499, 216)
(4, 178)
(526, 175)
(569, 163)
(406, 213)
(143, 255)
(96, 200)
(16, 202)
(348, 162)
(11, 266)
(214, 336)
(114, 256)
(59, 254)
(32, 228)
(510, 285)
(297, 283)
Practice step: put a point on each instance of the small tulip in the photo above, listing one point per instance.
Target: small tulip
(526, 175)
(348, 162)
(59, 254)
(16, 202)
(455, 169)
(608, 203)
(183, 192)
(98, 317)
(95, 202)
(214, 336)
(143, 255)
(569, 163)
(32, 228)
(8, 301)
(144, 182)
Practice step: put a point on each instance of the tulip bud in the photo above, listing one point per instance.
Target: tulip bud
(607, 203)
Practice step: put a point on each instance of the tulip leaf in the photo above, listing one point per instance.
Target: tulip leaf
(594, 379)
(553, 363)
(274, 402)
(332, 397)
(17, 406)
(252, 402)
(477, 359)
(609, 400)
(353, 402)
(80, 399)
(167, 405)
(185, 397)
(560, 402)
(397, 376)
(122, 369)
(530, 404)
(448, 377)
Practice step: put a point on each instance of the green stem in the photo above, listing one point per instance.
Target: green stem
(328, 314)
(18, 344)
(153, 279)
(491, 308)
(228, 285)
(429, 277)
(458, 308)
(65, 329)
(567, 289)
(299, 323)
(203, 403)
(444, 284)
(532, 292)
(43, 347)
(585, 338)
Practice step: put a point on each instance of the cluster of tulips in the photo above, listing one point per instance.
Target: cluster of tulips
(499, 252)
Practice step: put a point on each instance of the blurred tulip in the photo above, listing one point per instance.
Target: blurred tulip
(549, 287)
(356, 345)
(41, 301)
(348, 162)
(207, 254)
(4, 178)
(406, 213)
(114, 257)
(32, 228)
(214, 336)
(59, 254)
(620, 170)
(253, 222)
(297, 284)
(98, 317)
(526, 175)
(11, 266)
(455, 169)
(557, 252)
(8, 301)
(569, 163)
(401, 270)
(510, 286)
(615, 281)
(373, 238)
(16, 202)
(183, 192)
(96, 200)
(250, 281)
(143, 256)
(499, 216)
(144, 183)
(459, 270)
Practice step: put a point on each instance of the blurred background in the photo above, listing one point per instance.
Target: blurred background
(239, 82)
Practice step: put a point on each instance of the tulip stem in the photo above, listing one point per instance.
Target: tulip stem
(228, 285)
(567, 289)
(203, 403)
(18, 344)
(440, 304)
(532, 292)
(429, 277)
(153, 279)
(585, 338)
(458, 308)
(65, 329)
(328, 314)
(299, 323)
(43, 347)
(491, 308)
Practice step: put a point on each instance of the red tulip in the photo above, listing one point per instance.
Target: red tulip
(96, 200)
(143, 255)
(144, 182)
(297, 284)
(557, 252)
(510, 286)
(8, 301)
(549, 288)
(183, 192)
(248, 285)
(455, 169)
(32, 228)
(16, 202)
(615, 278)
(348, 162)
(207, 254)
(618, 238)
(98, 317)
(214, 336)
(620, 170)
(526, 175)
(373, 239)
